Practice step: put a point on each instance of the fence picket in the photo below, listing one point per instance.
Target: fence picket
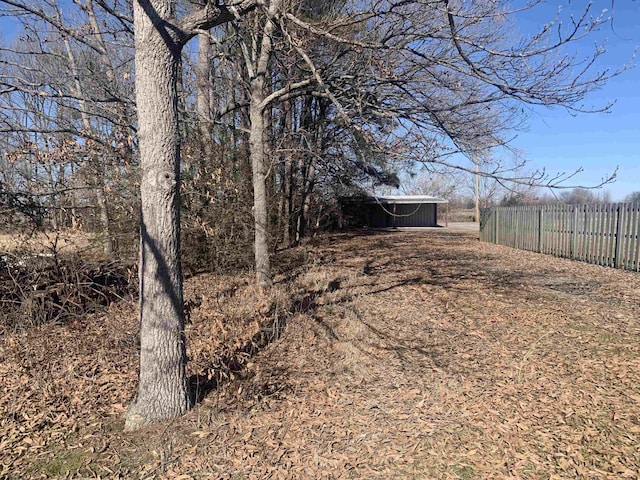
(602, 219)
(592, 226)
(605, 236)
(596, 238)
(632, 238)
(552, 230)
(634, 232)
(621, 245)
(611, 232)
(637, 237)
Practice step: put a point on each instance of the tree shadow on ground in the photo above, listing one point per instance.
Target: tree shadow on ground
(235, 363)
(434, 267)
(202, 384)
(401, 347)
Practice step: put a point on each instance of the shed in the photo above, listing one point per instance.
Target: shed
(403, 211)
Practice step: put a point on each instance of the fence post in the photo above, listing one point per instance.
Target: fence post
(497, 220)
(618, 250)
(574, 233)
(540, 224)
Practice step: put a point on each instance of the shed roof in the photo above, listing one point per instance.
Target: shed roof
(399, 199)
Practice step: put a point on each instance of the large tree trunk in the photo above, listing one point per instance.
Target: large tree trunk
(258, 74)
(257, 151)
(162, 388)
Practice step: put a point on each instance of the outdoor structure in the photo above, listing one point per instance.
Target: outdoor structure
(394, 211)
(601, 233)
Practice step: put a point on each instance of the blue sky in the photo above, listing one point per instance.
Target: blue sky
(598, 142)
(556, 140)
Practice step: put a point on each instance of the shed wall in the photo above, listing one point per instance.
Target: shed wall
(406, 215)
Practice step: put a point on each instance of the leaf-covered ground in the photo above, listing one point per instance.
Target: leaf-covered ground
(401, 355)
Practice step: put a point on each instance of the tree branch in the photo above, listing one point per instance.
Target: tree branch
(212, 15)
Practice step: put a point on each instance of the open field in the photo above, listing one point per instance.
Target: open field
(461, 214)
(402, 355)
(64, 242)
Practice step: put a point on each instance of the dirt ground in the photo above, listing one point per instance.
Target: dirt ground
(401, 355)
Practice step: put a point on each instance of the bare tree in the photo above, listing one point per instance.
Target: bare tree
(257, 64)
(95, 161)
(66, 61)
(451, 77)
(257, 55)
(159, 38)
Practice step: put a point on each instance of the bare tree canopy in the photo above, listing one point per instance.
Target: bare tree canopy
(442, 78)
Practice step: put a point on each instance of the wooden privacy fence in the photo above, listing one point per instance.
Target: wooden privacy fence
(604, 234)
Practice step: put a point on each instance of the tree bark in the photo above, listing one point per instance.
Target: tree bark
(287, 177)
(287, 199)
(203, 97)
(313, 122)
(476, 206)
(303, 219)
(103, 211)
(162, 387)
(258, 72)
(257, 152)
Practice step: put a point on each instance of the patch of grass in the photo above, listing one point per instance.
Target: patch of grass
(62, 463)
(133, 459)
(608, 337)
(464, 472)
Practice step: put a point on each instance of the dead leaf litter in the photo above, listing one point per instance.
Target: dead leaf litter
(391, 355)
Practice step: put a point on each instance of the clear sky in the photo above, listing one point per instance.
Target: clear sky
(560, 142)
(600, 142)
